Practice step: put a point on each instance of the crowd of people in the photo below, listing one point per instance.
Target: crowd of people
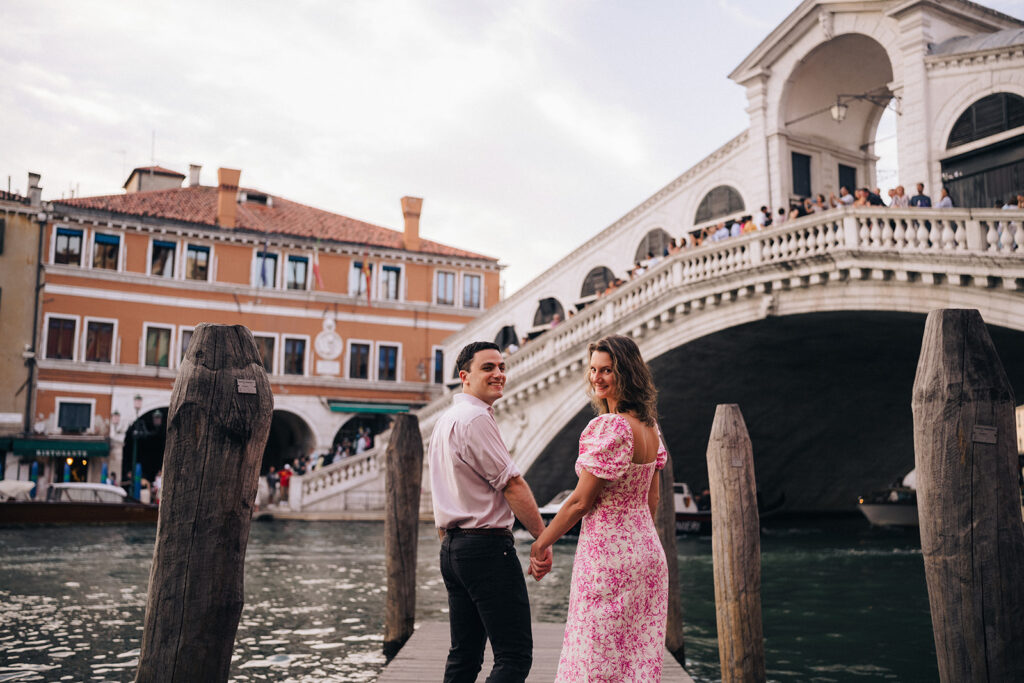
(274, 485)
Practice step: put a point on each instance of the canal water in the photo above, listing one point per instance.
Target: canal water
(841, 602)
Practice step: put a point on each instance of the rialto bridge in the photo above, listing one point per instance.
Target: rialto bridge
(813, 328)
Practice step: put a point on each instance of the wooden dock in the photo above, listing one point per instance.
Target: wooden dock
(423, 656)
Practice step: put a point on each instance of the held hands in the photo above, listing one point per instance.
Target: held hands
(541, 560)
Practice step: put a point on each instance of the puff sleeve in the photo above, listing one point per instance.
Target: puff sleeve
(659, 462)
(606, 447)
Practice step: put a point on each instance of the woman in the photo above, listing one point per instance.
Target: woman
(618, 599)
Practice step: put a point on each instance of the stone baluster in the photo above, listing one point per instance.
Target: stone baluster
(899, 235)
(948, 236)
(922, 235)
(992, 236)
(887, 234)
(876, 233)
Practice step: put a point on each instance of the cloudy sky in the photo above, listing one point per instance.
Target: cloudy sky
(527, 125)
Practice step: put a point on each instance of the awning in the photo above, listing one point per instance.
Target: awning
(355, 407)
(60, 448)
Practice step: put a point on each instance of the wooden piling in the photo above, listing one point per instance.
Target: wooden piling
(968, 501)
(404, 469)
(217, 427)
(735, 547)
(665, 522)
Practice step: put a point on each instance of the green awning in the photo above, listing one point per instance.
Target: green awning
(354, 407)
(60, 448)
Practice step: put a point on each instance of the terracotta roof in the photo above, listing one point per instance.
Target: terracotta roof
(198, 205)
(160, 170)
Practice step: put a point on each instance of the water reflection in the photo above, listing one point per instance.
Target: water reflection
(841, 602)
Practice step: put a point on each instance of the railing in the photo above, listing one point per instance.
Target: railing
(331, 480)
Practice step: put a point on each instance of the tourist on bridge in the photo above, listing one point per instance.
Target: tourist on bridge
(618, 599)
(921, 200)
(476, 490)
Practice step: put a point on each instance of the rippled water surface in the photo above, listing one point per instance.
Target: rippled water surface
(841, 602)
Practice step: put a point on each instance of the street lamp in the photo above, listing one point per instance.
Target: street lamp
(880, 99)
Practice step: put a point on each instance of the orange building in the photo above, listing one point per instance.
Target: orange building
(349, 317)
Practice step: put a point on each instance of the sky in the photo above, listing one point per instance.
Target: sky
(526, 125)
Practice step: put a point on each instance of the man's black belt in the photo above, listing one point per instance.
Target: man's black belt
(479, 532)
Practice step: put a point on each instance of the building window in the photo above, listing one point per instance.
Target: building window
(390, 278)
(471, 291)
(266, 349)
(186, 339)
(359, 361)
(438, 366)
(68, 248)
(720, 201)
(294, 356)
(266, 275)
(445, 288)
(988, 116)
(158, 346)
(74, 418)
(387, 363)
(104, 251)
(848, 177)
(358, 279)
(60, 338)
(161, 261)
(801, 174)
(597, 281)
(295, 275)
(197, 262)
(99, 342)
(654, 244)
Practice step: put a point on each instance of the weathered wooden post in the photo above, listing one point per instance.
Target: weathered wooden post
(404, 469)
(666, 525)
(735, 547)
(217, 427)
(968, 502)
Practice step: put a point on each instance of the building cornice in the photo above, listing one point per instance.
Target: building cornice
(985, 58)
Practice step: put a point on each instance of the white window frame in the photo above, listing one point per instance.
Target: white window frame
(255, 270)
(72, 399)
(462, 301)
(455, 294)
(371, 370)
(74, 342)
(177, 256)
(114, 346)
(305, 357)
(53, 243)
(309, 271)
(433, 370)
(274, 365)
(374, 275)
(171, 352)
(92, 250)
(209, 262)
(182, 329)
(399, 375)
(401, 281)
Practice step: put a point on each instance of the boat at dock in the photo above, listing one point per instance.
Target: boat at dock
(72, 503)
(892, 506)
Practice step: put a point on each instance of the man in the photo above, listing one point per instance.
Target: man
(844, 198)
(921, 200)
(476, 490)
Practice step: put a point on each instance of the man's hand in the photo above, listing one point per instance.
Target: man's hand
(541, 559)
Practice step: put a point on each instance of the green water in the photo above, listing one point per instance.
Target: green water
(841, 602)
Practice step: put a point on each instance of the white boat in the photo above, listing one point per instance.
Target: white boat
(689, 518)
(894, 506)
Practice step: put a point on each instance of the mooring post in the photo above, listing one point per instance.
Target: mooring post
(735, 547)
(968, 500)
(403, 472)
(217, 427)
(666, 525)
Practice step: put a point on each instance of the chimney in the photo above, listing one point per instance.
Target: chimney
(227, 196)
(35, 193)
(411, 213)
(193, 174)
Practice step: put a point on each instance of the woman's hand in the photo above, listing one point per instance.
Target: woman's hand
(541, 559)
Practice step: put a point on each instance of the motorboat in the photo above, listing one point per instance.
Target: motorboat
(548, 512)
(72, 503)
(690, 517)
(892, 506)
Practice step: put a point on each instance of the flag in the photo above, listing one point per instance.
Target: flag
(264, 276)
(316, 266)
(365, 271)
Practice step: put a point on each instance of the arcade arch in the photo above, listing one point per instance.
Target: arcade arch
(723, 200)
(144, 442)
(506, 337)
(654, 242)
(547, 309)
(290, 438)
(995, 171)
(596, 281)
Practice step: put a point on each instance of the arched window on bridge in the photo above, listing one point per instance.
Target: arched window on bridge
(655, 242)
(721, 201)
(991, 173)
(547, 309)
(597, 281)
(506, 337)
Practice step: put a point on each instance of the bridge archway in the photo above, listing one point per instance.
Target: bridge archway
(818, 150)
(145, 438)
(290, 437)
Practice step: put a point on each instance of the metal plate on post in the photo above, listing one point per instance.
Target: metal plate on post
(246, 386)
(984, 434)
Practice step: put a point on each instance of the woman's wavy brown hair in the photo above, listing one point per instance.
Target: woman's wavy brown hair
(632, 379)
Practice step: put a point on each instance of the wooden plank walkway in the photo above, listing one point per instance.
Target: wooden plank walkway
(422, 659)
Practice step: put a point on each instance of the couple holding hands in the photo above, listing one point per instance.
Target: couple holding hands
(618, 600)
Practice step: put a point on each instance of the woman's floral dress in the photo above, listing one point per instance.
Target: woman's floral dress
(618, 601)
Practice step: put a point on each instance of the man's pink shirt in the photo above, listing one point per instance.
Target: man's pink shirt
(469, 467)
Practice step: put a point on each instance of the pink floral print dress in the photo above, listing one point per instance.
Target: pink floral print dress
(618, 600)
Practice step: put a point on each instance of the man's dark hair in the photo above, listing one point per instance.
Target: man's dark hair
(465, 358)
